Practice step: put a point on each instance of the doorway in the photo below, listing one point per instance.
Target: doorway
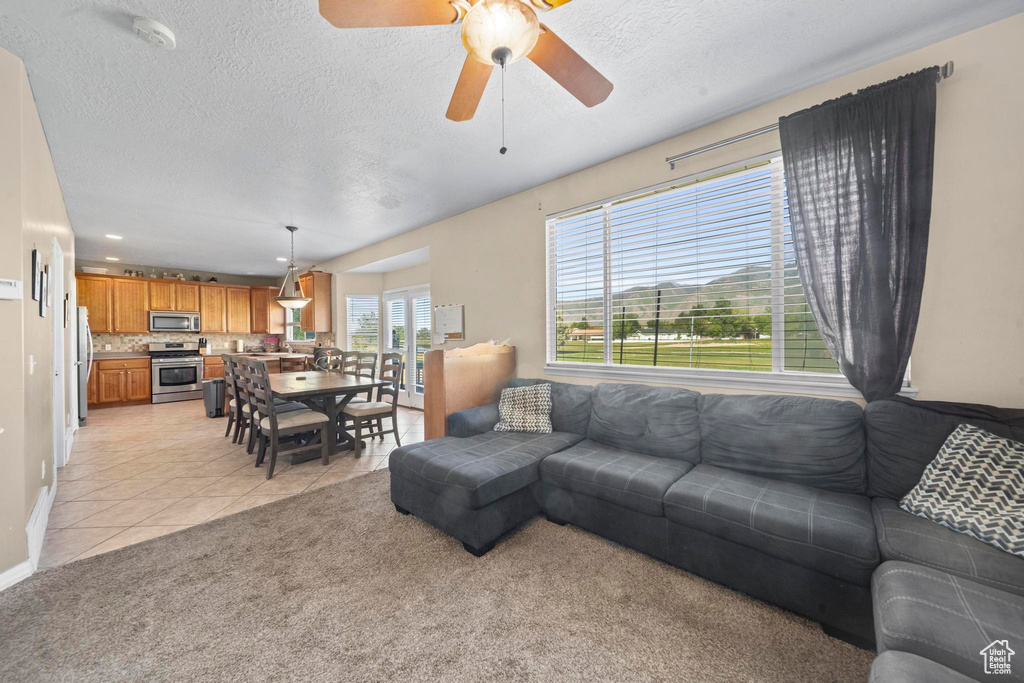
(55, 300)
(407, 331)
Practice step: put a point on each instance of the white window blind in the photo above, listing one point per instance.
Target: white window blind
(362, 322)
(698, 275)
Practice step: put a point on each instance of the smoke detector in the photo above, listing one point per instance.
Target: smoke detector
(154, 33)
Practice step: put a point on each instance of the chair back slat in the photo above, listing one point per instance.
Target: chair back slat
(366, 365)
(391, 367)
(350, 362)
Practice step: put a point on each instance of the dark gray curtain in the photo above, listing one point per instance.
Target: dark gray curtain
(859, 180)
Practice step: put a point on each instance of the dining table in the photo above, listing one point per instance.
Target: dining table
(327, 392)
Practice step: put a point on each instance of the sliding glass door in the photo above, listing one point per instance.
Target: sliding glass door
(407, 331)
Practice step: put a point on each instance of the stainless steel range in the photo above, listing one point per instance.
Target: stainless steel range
(177, 371)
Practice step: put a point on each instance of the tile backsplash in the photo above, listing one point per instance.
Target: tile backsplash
(220, 342)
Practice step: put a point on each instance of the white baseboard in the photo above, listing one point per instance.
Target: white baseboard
(69, 439)
(18, 572)
(35, 530)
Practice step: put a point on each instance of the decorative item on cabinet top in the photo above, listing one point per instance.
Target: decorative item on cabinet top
(121, 304)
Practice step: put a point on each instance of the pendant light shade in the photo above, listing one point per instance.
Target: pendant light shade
(291, 294)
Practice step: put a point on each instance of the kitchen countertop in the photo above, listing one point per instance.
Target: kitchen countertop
(273, 354)
(119, 355)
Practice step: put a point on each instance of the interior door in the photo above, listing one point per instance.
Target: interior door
(407, 331)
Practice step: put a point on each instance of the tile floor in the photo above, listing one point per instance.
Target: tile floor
(139, 472)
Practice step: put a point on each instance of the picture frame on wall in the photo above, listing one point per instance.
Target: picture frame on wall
(43, 284)
(35, 275)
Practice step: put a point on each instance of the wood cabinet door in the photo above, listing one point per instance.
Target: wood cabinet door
(211, 370)
(136, 384)
(92, 389)
(94, 294)
(239, 307)
(161, 296)
(212, 307)
(186, 297)
(316, 315)
(131, 306)
(277, 314)
(260, 310)
(307, 319)
(111, 386)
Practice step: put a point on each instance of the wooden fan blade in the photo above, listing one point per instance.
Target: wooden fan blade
(374, 13)
(469, 89)
(569, 70)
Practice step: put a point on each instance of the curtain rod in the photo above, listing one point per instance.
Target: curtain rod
(945, 71)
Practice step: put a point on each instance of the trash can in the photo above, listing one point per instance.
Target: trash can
(213, 396)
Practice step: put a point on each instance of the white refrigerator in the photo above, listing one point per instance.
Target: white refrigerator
(83, 363)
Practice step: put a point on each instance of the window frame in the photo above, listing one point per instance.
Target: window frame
(783, 381)
(290, 325)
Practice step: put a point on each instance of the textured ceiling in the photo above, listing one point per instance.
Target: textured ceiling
(265, 115)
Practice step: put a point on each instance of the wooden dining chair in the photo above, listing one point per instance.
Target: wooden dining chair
(231, 390)
(251, 413)
(370, 413)
(366, 366)
(274, 427)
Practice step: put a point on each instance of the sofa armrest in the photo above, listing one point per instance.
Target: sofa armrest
(473, 421)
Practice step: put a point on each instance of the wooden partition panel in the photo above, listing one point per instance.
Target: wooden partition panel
(463, 378)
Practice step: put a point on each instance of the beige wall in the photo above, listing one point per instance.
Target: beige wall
(31, 214)
(492, 259)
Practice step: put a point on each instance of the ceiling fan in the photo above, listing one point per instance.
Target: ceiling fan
(494, 32)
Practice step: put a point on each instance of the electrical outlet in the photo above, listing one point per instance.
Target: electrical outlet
(106, 347)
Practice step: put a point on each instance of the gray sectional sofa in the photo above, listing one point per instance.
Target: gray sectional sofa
(791, 500)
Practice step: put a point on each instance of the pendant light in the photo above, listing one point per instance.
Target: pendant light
(291, 295)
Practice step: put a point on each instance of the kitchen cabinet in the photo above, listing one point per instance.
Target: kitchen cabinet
(316, 315)
(161, 296)
(268, 316)
(169, 295)
(213, 366)
(239, 308)
(186, 297)
(131, 306)
(120, 382)
(94, 292)
(212, 308)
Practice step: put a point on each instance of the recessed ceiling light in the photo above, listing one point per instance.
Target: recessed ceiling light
(112, 258)
(114, 237)
(281, 258)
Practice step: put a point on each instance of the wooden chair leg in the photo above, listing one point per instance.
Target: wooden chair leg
(252, 438)
(325, 453)
(238, 427)
(231, 422)
(273, 455)
(359, 437)
(394, 427)
(380, 428)
(263, 450)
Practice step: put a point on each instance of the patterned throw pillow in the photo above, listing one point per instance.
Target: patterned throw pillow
(975, 486)
(525, 409)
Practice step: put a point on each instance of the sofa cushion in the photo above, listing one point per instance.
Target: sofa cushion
(828, 532)
(480, 469)
(943, 617)
(903, 667)
(902, 439)
(570, 404)
(651, 420)
(903, 536)
(631, 480)
(811, 441)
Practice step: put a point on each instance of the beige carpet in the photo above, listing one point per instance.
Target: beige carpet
(334, 585)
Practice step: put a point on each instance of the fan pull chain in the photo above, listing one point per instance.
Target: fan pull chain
(503, 147)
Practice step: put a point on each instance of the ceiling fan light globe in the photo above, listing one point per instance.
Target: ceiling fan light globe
(494, 24)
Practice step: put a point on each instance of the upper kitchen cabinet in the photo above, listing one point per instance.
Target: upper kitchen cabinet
(131, 306)
(238, 310)
(169, 295)
(267, 314)
(186, 297)
(212, 308)
(316, 315)
(94, 292)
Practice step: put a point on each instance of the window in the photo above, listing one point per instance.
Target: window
(695, 279)
(293, 331)
(362, 322)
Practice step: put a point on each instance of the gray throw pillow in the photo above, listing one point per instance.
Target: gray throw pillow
(525, 409)
(975, 485)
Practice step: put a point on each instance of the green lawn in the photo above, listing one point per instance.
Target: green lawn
(719, 354)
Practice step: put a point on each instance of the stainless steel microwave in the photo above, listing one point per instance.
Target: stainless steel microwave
(173, 321)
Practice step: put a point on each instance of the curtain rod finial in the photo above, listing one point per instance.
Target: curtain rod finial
(946, 70)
